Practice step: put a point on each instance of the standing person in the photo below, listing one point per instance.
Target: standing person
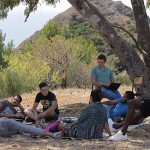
(49, 102)
(7, 108)
(102, 76)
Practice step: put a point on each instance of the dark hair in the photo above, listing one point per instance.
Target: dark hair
(96, 95)
(19, 98)
(42, 84)
(102, 57)
(130, 94)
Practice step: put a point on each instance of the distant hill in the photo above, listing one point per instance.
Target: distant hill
(115, 12)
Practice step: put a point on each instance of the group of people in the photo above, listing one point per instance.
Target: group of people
(106, 106)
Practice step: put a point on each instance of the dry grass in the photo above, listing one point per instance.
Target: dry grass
(71, 102)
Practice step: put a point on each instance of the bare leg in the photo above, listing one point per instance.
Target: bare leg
(106, 127)
(31, 113)
(46, 115)
(61, 126)
(133, 105)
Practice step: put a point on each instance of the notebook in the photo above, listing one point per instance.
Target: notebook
(114, 86)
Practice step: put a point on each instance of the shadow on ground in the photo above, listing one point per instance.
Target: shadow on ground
(138, 138)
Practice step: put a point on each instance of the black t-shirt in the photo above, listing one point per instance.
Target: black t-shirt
(46, 101)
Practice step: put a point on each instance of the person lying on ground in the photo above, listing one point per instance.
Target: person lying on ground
(49, 102)
(91, 122)
(9, 127)
(119, 107)
(7, 109)
(143, 106)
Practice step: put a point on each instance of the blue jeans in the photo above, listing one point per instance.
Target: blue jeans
(111, 95)
(10, 127)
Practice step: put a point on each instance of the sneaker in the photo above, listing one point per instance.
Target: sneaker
(57, 135)
(118, 137)
(118, 125)
(110, 123)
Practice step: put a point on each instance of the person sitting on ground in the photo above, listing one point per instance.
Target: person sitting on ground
(91, 122)
(49, 102)
(102, 76)
(119, 107)
(143, 106)
(9, 127)
(7, 109)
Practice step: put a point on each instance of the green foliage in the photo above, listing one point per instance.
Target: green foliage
(2, 39)
(9, 48)
(4, 50)
(31, 5)
(148, 3)
(50, 30)
(123, 78)
(61, 55)
(6, 5)
(13, 82)
(23, 74)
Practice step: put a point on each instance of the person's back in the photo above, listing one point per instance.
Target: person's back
(92, 126)
(92, 120)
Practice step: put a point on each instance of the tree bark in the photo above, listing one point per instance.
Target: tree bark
(128, 56)
(143, 29)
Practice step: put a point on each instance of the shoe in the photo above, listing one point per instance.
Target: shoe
(110, 123)
(57, 135)
(118, 125)
(118, 137)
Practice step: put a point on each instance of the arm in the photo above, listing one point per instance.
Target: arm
(1, 105)
(17, 116)
(21, 108)
(108, 102)
(51, 108)
(35, 105)
(98, 84)
(112, 77)
(106, 127)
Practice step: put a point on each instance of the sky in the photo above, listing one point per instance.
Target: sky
(18, 30)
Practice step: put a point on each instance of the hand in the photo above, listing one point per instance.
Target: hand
(104, 83)
(19, 116)
(107, 84)
(41, 115)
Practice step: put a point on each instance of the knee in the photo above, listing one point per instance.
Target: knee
(26, 111)
(132, 104)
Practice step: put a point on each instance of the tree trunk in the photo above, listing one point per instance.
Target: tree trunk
(143, 29)
(128, 57)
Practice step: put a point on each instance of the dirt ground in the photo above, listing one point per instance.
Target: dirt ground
(71, 102)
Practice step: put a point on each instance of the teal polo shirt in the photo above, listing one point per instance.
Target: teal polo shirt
(102, 75)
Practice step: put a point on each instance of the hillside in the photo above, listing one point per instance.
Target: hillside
(115, 12)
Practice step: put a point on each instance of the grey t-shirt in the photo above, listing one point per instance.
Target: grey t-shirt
(7, 108)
